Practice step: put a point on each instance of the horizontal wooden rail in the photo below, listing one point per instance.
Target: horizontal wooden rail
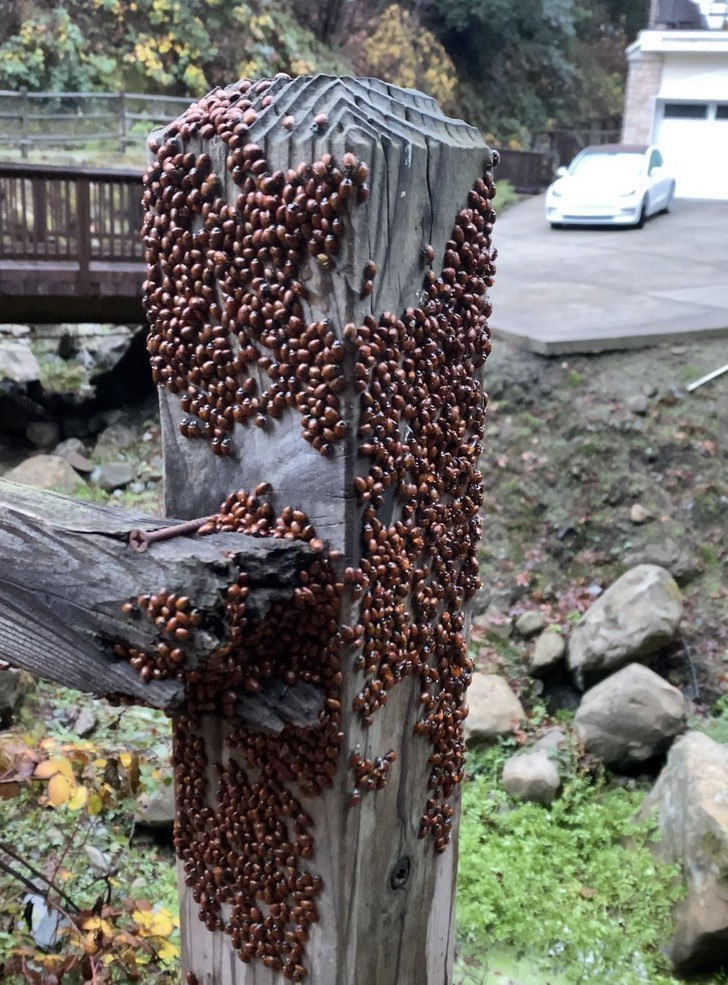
(52, 213)
(29, 118)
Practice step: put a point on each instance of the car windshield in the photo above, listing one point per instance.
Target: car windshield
(608, 167)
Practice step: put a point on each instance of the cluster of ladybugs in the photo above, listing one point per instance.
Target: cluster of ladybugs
(225, 300)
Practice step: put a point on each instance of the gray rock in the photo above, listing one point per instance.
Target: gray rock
(45, 472)
(529, 623)
(114, 475)
(114, 438)
(549, 650)
(15, 331)
(637, 403)
(690, 800)
(85, 723)
(106, 349)
(17, 362)
(630, 717)
(46, 923)
(637, 615)
(669, 554)
(75, 445)
(639, 514)
(14, 685)
(494, 623)
(43, 434)
(157, 810)
(532, 776)
(80, 463)
(552, 739)
(494, 709)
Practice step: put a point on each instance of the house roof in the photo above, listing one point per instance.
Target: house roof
(617, 148)
(680, 14)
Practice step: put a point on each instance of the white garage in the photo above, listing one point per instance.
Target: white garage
(677, 98)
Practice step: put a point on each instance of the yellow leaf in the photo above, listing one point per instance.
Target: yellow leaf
(125, 759)
(168, 952)
(96, 923)
(79, 798)
(161, 925)
(50, 767)
(142, 918)
(59, 790)
(100, 763)
(95, 804)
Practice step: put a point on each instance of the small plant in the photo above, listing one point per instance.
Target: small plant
(574, 378)
(507, 195)
(557, 885)
(79, 901)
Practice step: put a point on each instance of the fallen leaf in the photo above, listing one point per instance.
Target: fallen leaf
(59, 790)
(50, 767)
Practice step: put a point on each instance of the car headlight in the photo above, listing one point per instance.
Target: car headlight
(628, 194)
(555, 193)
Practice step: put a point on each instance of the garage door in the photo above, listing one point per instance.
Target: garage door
(693, 138)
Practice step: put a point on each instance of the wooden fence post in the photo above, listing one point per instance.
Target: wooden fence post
(24, 107)
(122, 122)
(318, 265)
(83, 235)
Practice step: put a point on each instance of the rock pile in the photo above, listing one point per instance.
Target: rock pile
(629, 718)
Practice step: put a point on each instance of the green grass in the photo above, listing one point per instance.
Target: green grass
(506, 195)
(555, 890)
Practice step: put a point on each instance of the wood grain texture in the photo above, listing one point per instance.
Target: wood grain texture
(387, 907)
(67, 569)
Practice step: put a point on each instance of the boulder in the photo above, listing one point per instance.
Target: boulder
(637, 615)
(157, 809)
(13, 686)
(639, 514)
(637, 403)
(630, 717)
(674, 555)
(549, 650)
(690, 800)
(494, 623)
(114, 438)
(85, 723)
(114, 475)
(494, 709)
(43, 434)
(532, 776)
(17, 362)
(553, 738)
(45, 472)
(529, 623)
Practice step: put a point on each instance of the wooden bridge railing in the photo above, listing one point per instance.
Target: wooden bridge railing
(60, 213)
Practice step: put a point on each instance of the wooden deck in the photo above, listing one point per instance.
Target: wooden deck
(70, 248)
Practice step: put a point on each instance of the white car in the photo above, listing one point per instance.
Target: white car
(610, 185)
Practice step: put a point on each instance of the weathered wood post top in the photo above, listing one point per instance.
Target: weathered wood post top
(319, 258)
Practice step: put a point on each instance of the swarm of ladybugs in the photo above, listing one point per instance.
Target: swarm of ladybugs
(225, 295)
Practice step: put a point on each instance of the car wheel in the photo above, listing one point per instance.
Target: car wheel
(670, 197)
(643, 214)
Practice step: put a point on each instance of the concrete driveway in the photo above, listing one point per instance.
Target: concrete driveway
(588, 290)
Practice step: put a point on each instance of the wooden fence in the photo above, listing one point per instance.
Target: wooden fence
(62, 213)
(47, 119)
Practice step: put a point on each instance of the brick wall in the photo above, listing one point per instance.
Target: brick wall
(643, 84)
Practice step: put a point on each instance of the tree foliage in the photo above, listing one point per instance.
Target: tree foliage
(400, 50)
(511, 67)
(526, 64)
(180, 47)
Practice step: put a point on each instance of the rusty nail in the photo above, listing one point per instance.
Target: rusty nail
(139, 539)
